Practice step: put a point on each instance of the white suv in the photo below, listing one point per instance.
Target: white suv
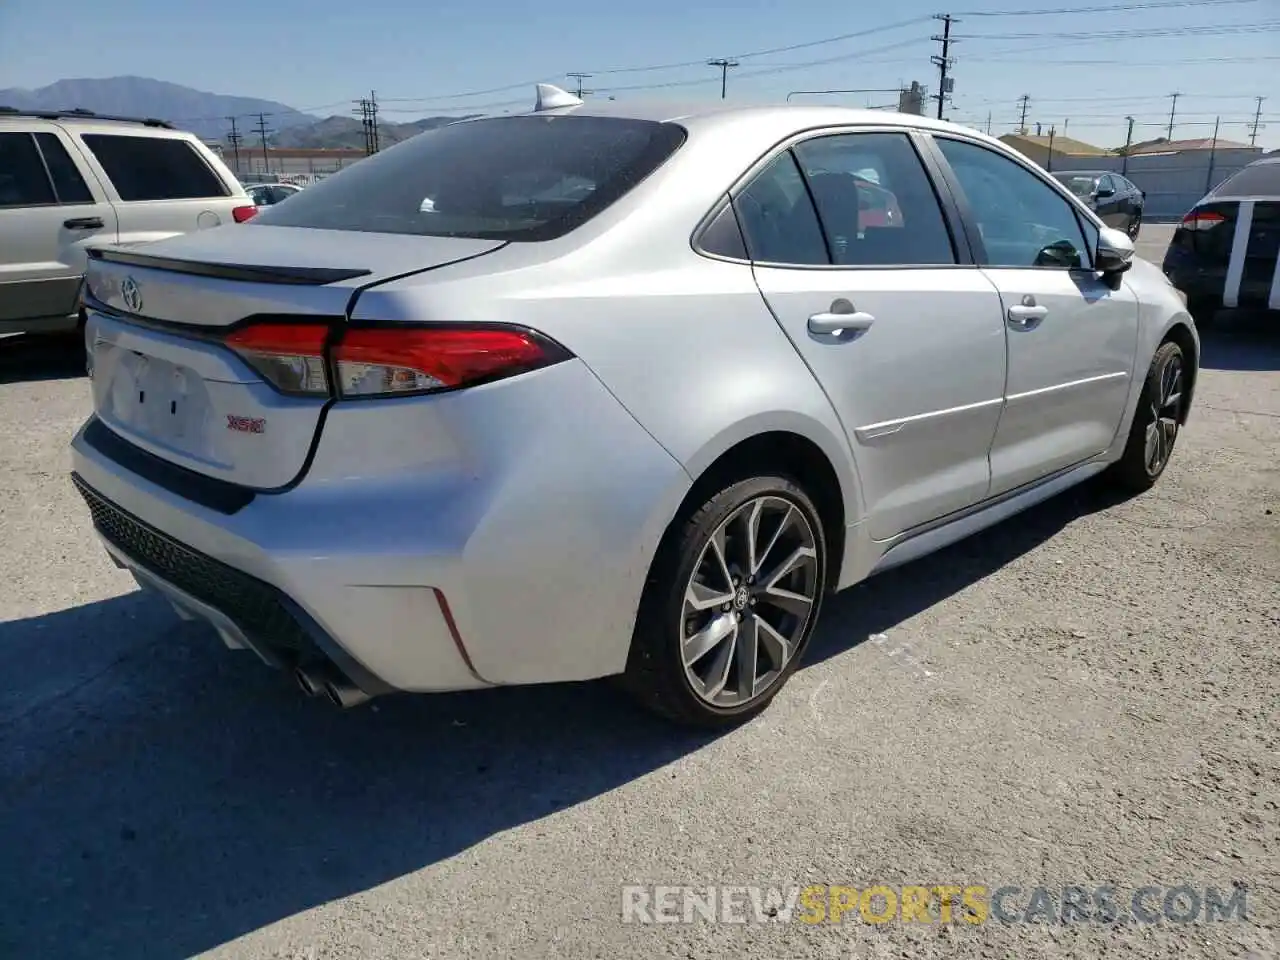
(73, 179)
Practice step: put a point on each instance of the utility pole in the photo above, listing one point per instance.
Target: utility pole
(1064, 125)
(724, 66)
(579, 77)
(1025, 102)
(234, 139)
(943, 62)
(1128, 142)
(1173, 110)
(368, 108)
(263, 132)
(1257, 123)
(1049, 163)
(1213, 155)
(362, 107)
(988, 123)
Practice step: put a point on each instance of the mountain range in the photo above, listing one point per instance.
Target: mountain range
(208, 114)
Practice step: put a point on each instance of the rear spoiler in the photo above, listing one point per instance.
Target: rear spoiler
(244, 273)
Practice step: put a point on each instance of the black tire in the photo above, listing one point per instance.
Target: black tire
(1134, 471)
(655, 675)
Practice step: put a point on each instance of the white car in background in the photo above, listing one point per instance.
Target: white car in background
(73, 179)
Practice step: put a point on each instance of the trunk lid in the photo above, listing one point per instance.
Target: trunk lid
(164, 380)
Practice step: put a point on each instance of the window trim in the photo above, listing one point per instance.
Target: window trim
(952, 218)
(1076, 205)
(48, 178)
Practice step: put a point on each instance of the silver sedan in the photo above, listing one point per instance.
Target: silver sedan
(612, 390)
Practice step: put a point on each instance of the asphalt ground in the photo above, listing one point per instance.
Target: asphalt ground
(1085, 695)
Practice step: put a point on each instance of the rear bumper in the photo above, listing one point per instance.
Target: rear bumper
(500, 535)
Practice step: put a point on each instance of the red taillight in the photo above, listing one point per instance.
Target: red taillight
(289, 355)
(241, 214)
(1202, 220)
(385, 361)
(388, 361)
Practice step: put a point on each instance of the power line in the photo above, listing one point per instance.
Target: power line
(1111, 8)
(1102, 36)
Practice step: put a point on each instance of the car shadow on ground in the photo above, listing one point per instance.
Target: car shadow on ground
(1241, 340)
(160, 796)
(30, 358)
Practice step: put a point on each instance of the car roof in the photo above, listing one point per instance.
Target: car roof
(81, 117)
(710, 113)
(1084, 173)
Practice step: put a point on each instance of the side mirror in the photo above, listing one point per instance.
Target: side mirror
(1115, 252)
(1103, 192)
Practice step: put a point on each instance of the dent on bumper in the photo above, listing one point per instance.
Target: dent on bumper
(536, 530)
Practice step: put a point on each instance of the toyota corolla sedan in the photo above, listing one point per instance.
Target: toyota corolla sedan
(607, 390)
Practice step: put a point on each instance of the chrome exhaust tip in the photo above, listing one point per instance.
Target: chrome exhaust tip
(344, 695)
(311, 680)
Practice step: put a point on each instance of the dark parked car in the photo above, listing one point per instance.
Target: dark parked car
(1225, 251)
(1113, 198)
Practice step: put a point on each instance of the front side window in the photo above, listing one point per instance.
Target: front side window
(154, 168)
(23, 181)
(875, 200)
(502, 178)
(1023, 221)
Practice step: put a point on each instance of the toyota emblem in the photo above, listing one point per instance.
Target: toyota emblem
(131, 295)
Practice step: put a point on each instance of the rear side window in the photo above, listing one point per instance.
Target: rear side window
(778, 219)
(67, 182)
(503, 178)
(1258, 180)
(23, 181)
(154, 168)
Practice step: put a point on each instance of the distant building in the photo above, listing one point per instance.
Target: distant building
(288, 161)
(1162, 146)
(1054, 151)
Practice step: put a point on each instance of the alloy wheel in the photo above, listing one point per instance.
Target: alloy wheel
(749, 601)
(1166, 409)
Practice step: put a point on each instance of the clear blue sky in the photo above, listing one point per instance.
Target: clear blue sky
(324, 53)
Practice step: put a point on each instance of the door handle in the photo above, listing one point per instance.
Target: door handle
(1027, 313)
(830, 323)
(84, 223)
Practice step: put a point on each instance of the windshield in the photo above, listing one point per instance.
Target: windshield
(1081, 184)
(505, 178)
(1256, 180)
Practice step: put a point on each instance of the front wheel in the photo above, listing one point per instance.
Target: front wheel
(1155, 423)
(730, 605)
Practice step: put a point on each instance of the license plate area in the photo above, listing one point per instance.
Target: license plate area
(166, 403)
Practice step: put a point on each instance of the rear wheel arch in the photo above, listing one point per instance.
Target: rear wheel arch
(775, 453)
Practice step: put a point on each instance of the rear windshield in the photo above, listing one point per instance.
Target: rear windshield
(1080, 184)
(505, 178)
(1258, 180)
